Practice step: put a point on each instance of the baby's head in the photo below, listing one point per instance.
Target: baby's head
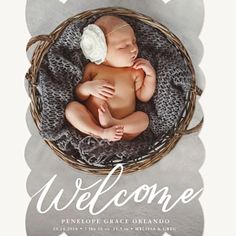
(112, 39)
(122, 49)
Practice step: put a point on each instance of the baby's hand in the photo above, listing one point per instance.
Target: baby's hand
(145, 65)
(100, 88)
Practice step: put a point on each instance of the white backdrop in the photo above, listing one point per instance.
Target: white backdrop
(217, 134)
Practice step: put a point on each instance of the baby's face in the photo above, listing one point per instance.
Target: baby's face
(122, 49)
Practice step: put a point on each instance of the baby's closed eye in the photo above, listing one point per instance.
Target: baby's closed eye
(126, 45)
(123, 47)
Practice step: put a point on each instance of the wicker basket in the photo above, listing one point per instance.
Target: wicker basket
(166, 144)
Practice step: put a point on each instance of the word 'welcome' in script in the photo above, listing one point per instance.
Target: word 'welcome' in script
(83, 199)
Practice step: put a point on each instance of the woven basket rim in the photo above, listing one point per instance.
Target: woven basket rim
(45, 41)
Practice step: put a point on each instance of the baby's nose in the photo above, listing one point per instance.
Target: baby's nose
(133, 48)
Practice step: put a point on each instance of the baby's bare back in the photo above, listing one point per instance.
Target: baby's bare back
(122, 103)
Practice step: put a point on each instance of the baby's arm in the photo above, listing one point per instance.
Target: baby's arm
(81, 90)
(145, 81)
(98, 88)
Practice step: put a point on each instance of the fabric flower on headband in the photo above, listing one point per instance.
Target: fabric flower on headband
(93, 44)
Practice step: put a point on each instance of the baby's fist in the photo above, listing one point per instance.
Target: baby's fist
(145, 65)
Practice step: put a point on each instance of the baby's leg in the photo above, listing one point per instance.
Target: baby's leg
(82, 119)
(134, 124)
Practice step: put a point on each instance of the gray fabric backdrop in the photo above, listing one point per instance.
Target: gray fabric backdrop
(178, 170)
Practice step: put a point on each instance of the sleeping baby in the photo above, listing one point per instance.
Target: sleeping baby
(111, 83)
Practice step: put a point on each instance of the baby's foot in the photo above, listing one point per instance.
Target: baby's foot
(105, 118)
(113, 133)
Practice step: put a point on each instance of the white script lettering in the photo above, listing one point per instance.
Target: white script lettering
(141, 194)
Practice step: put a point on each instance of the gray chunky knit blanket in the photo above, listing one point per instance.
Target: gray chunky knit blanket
(61, 70)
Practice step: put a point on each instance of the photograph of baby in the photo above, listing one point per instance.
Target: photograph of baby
(112, 82)
(112, 87)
